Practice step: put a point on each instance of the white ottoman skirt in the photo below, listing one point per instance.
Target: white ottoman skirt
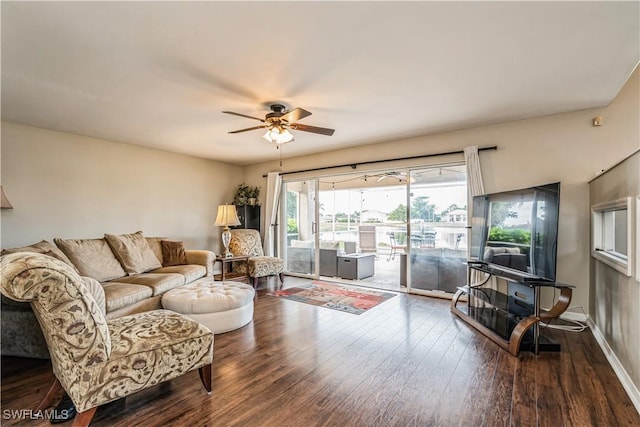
(220, 306)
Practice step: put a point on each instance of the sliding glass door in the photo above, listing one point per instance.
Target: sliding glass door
(437, 223)
(411, 221)
(299, 242)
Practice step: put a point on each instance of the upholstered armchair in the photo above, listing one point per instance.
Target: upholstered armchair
(247, 242)
(94, 360)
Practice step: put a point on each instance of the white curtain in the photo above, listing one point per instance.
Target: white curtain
(274, 180)
(474, 175)
(475, 187)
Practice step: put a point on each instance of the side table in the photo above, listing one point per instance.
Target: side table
(227, 269)
(356, 266)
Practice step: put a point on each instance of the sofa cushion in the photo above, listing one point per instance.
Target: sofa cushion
(490, 251)
(260, 266)
(302, 244)
(329, 244)
(324, 244)
(133, 252)
(158, 283)
(191, 272)
(92, 258)
(119, 295)
(45, 248)
(155, 245)
(173, 253)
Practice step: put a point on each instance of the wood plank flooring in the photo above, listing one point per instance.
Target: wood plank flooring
(407, 362)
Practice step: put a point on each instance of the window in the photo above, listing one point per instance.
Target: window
(612, 234)
(293, 214)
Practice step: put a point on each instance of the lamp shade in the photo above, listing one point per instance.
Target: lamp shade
(4, 202)
(227, 216)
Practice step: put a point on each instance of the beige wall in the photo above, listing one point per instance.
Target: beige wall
(615, 305)
(562, 147)
(70, 186)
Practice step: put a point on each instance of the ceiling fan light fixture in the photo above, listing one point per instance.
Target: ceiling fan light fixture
(278, 123)
(278, 135)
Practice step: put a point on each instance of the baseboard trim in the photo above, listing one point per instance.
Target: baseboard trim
(621, 373)
(571, 315)
(579, 317)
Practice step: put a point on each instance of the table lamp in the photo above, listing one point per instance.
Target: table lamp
(227, 216)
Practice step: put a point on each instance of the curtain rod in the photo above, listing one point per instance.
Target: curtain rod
(370, 162)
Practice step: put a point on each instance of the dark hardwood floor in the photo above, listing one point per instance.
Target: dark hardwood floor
(407, 362)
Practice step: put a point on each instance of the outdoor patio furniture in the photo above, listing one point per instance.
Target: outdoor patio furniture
(396, 247)
(367, 238)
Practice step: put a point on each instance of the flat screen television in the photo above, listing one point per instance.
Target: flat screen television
(517, 230)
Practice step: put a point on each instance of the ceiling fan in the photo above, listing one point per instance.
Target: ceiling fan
(394, 174)
(279, 121)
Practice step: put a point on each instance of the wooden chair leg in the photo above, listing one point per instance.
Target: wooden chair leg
(205, 377)
(47, 401)
(255, 282)
(281, 276)
(83, 419)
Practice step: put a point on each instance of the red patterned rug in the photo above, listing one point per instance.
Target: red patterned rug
(335, 296)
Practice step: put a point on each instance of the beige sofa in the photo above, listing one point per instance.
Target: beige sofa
(132, 270)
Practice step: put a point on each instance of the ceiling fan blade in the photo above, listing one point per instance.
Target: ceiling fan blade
(243, 115)
(295, 115)
(248, 129)
(313, 129)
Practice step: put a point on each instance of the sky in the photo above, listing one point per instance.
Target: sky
(386, 199)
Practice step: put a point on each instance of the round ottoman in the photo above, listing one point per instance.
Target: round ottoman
(220, 306)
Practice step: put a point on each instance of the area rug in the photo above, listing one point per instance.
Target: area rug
(335, 296)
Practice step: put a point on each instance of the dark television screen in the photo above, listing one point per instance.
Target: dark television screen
(517, 230)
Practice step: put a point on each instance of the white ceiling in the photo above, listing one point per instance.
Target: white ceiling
(159, 74)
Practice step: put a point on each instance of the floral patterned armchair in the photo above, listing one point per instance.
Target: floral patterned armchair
(94, 360)
(247, 242)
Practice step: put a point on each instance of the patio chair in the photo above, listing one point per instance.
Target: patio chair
(367, 239)
(395, 247)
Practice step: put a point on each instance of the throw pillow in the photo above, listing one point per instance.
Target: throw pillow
(154, 244)
(133, 252)
(45, 248)
(92, 257)
(173, 253)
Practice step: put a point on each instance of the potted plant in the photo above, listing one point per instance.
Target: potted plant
(254, 193)
(246, 195)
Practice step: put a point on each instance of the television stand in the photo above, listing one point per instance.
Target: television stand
(511, 319)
